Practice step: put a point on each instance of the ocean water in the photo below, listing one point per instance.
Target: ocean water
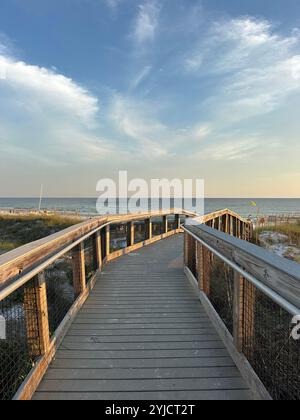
(87, 206)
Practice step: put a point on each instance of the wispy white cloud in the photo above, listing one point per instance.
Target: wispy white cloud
(256, 67)
(152, 138)
(230, 150)
(113, 4)
(140, 77)
(147, 21)
(136, 123)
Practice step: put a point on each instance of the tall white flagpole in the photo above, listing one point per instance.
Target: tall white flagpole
(41, 195)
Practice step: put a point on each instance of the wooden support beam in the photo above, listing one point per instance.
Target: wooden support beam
(148, 228)
(98, 249)
(186, 249)
(221, 223)
(107, 240)
(213, 224)
(206, 261)
(130, 233)
(235, 231)
(36, 316)
(238, 311)
(79, 276)
(227, 223)
(201, 272)
(165, 224)
(231, 225)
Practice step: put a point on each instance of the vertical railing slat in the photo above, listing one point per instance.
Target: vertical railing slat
(36, 316)
(165, 224)
(79, 277)
(98, 249)
(238, 311)
(107, 240)
(130, 233)
(148, 228)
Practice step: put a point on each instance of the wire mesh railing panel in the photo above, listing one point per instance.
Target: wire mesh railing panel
(192, 255)
(90, 259)
(19, 344)
(182, 219)
(269, 346)
(171, 223)
(60, 290)
(118, 237)
(157, 226)
(140, 234)
(103, 243)
(221, 288)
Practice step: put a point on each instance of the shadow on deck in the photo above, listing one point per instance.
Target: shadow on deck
(143, 334)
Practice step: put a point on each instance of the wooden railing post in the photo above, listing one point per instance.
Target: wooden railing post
(79, 278)
(220, 223)
(130, 233)
(177, 221)
(36, 316)
(148, 228)
(213, 224)
(98, 249)
(206, 270)
(234, 227)
(242, 230)
(186, 249)
(251, 231)
(107, 240)
(227, 224)
(165, 224)
(231, 226)
(201, 272)
(238, 311)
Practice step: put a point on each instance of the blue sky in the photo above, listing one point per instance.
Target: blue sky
(170, 88)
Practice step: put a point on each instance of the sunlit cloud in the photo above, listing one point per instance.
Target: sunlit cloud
(147, 21)
(256, 68)
(45, 88)
(230, 150)
(133, 121)
(47, 115)
(173, 87)
(151, 137)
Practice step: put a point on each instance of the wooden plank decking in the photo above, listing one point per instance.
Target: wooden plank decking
(143, 334)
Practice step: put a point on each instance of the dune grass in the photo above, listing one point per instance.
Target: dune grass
(17, 230)
(7, 245)
(292, 230)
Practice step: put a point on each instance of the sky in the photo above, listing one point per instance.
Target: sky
(163, 89)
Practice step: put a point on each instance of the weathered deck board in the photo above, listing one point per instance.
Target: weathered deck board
(143, 334)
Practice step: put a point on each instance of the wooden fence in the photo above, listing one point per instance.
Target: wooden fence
(45, 283)
(251, 296)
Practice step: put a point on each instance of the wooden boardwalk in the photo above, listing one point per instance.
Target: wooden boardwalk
(143, 334)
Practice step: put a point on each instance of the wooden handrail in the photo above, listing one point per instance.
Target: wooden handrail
(215, 215)
(15, 262)
(279, 274)
(29, 262)
(263, 285)
(26, 265)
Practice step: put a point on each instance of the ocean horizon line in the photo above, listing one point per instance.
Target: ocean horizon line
(147, 198)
